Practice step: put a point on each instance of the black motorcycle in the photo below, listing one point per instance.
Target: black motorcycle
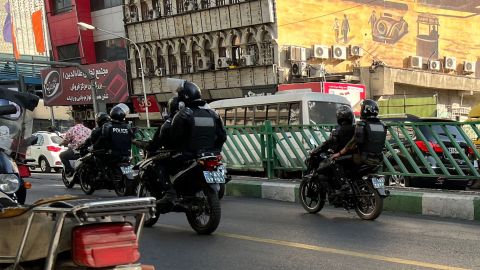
(365, 193)
(197, 184)
(15, 137)
(92, 173)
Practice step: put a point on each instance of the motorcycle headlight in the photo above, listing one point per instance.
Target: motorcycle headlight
(9, 183)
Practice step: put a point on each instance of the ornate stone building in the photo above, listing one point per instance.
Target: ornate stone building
(227, 47)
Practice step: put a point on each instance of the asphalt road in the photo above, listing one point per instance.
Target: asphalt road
(260, 234)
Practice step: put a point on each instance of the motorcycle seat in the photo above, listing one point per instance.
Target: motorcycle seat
(365, 169)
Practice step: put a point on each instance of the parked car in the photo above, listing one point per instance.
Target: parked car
(46, 152)
(405, 181)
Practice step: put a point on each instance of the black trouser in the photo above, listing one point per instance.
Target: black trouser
(65, 157)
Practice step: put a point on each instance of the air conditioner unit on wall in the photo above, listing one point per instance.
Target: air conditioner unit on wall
(222, 62)
(321, 51)
(469, 67)
(203, 63)
(299, 69)
(160, 71)
(297, 53)
(339, 52)
(434, 65)
(249, 60)
(416, 62)
(450, 63)
(356, 51)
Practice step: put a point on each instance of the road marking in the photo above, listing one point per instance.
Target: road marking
(329, 250)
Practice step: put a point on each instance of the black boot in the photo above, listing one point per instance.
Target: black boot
(166, 203)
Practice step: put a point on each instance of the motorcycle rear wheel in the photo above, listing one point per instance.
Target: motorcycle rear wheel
(66, 182)
(142, 191)
(369, 206)
(210, 210)
(124, 187)
(86, 183)
(312, 196)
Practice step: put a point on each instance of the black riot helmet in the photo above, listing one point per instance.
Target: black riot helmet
(119, 112)
(344, 114)
(101, 118)
(189, 92)
(369, 109)
(172, 105)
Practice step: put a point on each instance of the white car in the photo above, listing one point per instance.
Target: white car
(46, 152)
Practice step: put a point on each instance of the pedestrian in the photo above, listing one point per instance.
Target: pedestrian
(336, 29)
(345, 28)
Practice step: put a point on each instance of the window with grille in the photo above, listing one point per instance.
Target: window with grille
(61, 6)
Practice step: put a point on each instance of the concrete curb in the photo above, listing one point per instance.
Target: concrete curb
(448, 205)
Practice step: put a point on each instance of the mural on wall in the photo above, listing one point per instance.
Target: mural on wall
(389, 31)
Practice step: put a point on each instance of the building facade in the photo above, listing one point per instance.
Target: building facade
(396, 47)
(227, 47)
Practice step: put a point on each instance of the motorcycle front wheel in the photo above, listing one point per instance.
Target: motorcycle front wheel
(312, 196)
(142, 191)
(369, 203)
(205, 213)
(86, 182)
(68, 183)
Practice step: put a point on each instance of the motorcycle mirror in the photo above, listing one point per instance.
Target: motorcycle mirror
(8, 109)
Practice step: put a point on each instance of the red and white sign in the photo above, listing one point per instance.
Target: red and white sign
(355, 93)
(154, 110)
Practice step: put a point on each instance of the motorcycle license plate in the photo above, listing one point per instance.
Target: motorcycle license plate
(214, 177)
(127, 169)
(378, 182)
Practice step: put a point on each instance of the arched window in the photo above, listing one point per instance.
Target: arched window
(236, 54)
(167, 5)
(196, 57)
(137, 64)
(222, 50)
(209, 55)
(172, 62)
(252, 49)
(180, 6)
(144, 7)
(149, 65)
(266, 48)
(184, 59)
(156, 9)
(133, 13)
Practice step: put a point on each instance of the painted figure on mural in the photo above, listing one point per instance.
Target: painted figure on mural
(345, 28)
(373, 19)
(336, 29)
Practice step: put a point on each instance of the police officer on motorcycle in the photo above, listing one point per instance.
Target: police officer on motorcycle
(342, 133)
(196, 130)
(339, 137)
(369, 138)
(196, 127)
(162, 136)
(101, 118)
(116, 136)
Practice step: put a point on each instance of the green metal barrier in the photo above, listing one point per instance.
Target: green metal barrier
(434, 149)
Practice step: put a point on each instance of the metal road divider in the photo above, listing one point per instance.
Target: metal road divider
(421, 149)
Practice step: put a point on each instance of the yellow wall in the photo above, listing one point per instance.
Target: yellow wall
(459, 30)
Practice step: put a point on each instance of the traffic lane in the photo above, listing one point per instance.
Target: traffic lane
(432, 240)
(168, 248)
(419, 238)
(51, 184)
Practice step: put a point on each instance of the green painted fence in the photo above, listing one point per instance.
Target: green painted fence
(433, 149)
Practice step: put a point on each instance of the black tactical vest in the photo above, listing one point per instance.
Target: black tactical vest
(202, 136)
(375, 135)
(121, 140)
